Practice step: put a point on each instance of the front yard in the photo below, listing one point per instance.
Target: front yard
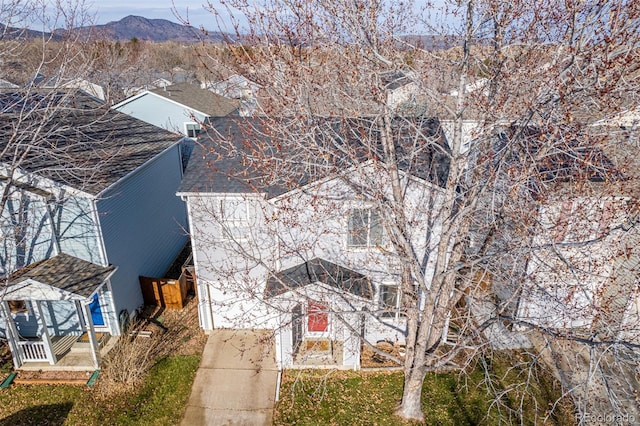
(514, 393)
(159, 401)
(125, 393)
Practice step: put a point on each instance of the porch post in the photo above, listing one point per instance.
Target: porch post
(45, 335)
(12, 335)
(91, 332)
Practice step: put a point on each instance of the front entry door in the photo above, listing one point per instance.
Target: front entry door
(318, 318)
(96, 312)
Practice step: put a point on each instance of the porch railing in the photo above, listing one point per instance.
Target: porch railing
(33, 351)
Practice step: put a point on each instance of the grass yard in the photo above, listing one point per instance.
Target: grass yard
(159, 401)
(369, 398)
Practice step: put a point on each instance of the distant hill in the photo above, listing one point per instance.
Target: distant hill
(125, 29)
(149, 29)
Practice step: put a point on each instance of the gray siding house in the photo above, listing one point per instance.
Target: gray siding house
(179, 108)
(101, 199)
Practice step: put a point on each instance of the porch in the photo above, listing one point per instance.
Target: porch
(53, 316)
(72, 353)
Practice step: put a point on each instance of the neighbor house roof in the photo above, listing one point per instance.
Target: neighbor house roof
(68, 276)
(202, 100)
(75, 141)
(236, 155)
(319, 271)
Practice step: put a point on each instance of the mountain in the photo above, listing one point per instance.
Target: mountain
(148, 29)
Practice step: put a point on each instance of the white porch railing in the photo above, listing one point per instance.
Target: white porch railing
(33, 351)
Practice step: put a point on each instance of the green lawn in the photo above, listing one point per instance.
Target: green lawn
(160, 401)
(368, 398)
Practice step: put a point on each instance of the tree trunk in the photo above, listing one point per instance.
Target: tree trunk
(411, 406)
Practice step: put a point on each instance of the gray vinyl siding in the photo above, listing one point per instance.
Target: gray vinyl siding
(160, 112)
(75, 225)
(143, 226)
(25, 227)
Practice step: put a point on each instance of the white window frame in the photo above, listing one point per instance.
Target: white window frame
(369, 243)
(186, 129)
(385, 311)
(227, 223)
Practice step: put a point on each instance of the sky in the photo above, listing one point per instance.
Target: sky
(113, 10)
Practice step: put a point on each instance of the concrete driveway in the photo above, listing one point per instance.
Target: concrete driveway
(236, 381)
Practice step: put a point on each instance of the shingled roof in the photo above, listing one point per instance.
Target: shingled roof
(64, 272)
(319, 271)
(198, 99)
(76, 142)
(238, 155)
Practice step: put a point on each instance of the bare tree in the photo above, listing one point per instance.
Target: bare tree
(39, 131)
(515, 101)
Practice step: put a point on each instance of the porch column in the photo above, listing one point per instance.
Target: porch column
(12, 335)
(45, 335)
(91, 332)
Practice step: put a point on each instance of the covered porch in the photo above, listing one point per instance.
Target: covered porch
(50, 310)
(321, 321)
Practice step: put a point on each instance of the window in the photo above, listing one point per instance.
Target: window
(192, 129)
(16, 306)
(389, 300)
(365, 229)
(235, 219)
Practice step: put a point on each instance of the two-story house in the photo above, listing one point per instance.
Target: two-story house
(307, 253)
(89, 207)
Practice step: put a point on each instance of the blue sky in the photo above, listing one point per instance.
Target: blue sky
(114, 10)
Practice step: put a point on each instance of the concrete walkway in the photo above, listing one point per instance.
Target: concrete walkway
(236, 381)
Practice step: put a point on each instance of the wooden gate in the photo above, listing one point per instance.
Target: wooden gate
(164, 292)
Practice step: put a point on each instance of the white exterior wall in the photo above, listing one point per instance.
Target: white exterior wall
(566, 278)
(285, 232)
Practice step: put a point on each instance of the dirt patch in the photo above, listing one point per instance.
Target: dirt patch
(181, 324)
(370, 358)
(52, 377)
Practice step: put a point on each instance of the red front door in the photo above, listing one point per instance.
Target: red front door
(318, 317)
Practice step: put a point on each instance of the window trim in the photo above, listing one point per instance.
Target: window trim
(369, 243)
(186, 129)
(388, 312)
(226, 223)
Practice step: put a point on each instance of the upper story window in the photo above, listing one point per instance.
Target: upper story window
(192, 130)
(235, 215)
(365, 228)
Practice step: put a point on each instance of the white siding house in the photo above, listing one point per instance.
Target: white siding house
(312, 263)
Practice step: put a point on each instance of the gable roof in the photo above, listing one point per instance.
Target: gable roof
(237, 155)
(81, 144)
(73, 278)
(322, 271)
(201, 100)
